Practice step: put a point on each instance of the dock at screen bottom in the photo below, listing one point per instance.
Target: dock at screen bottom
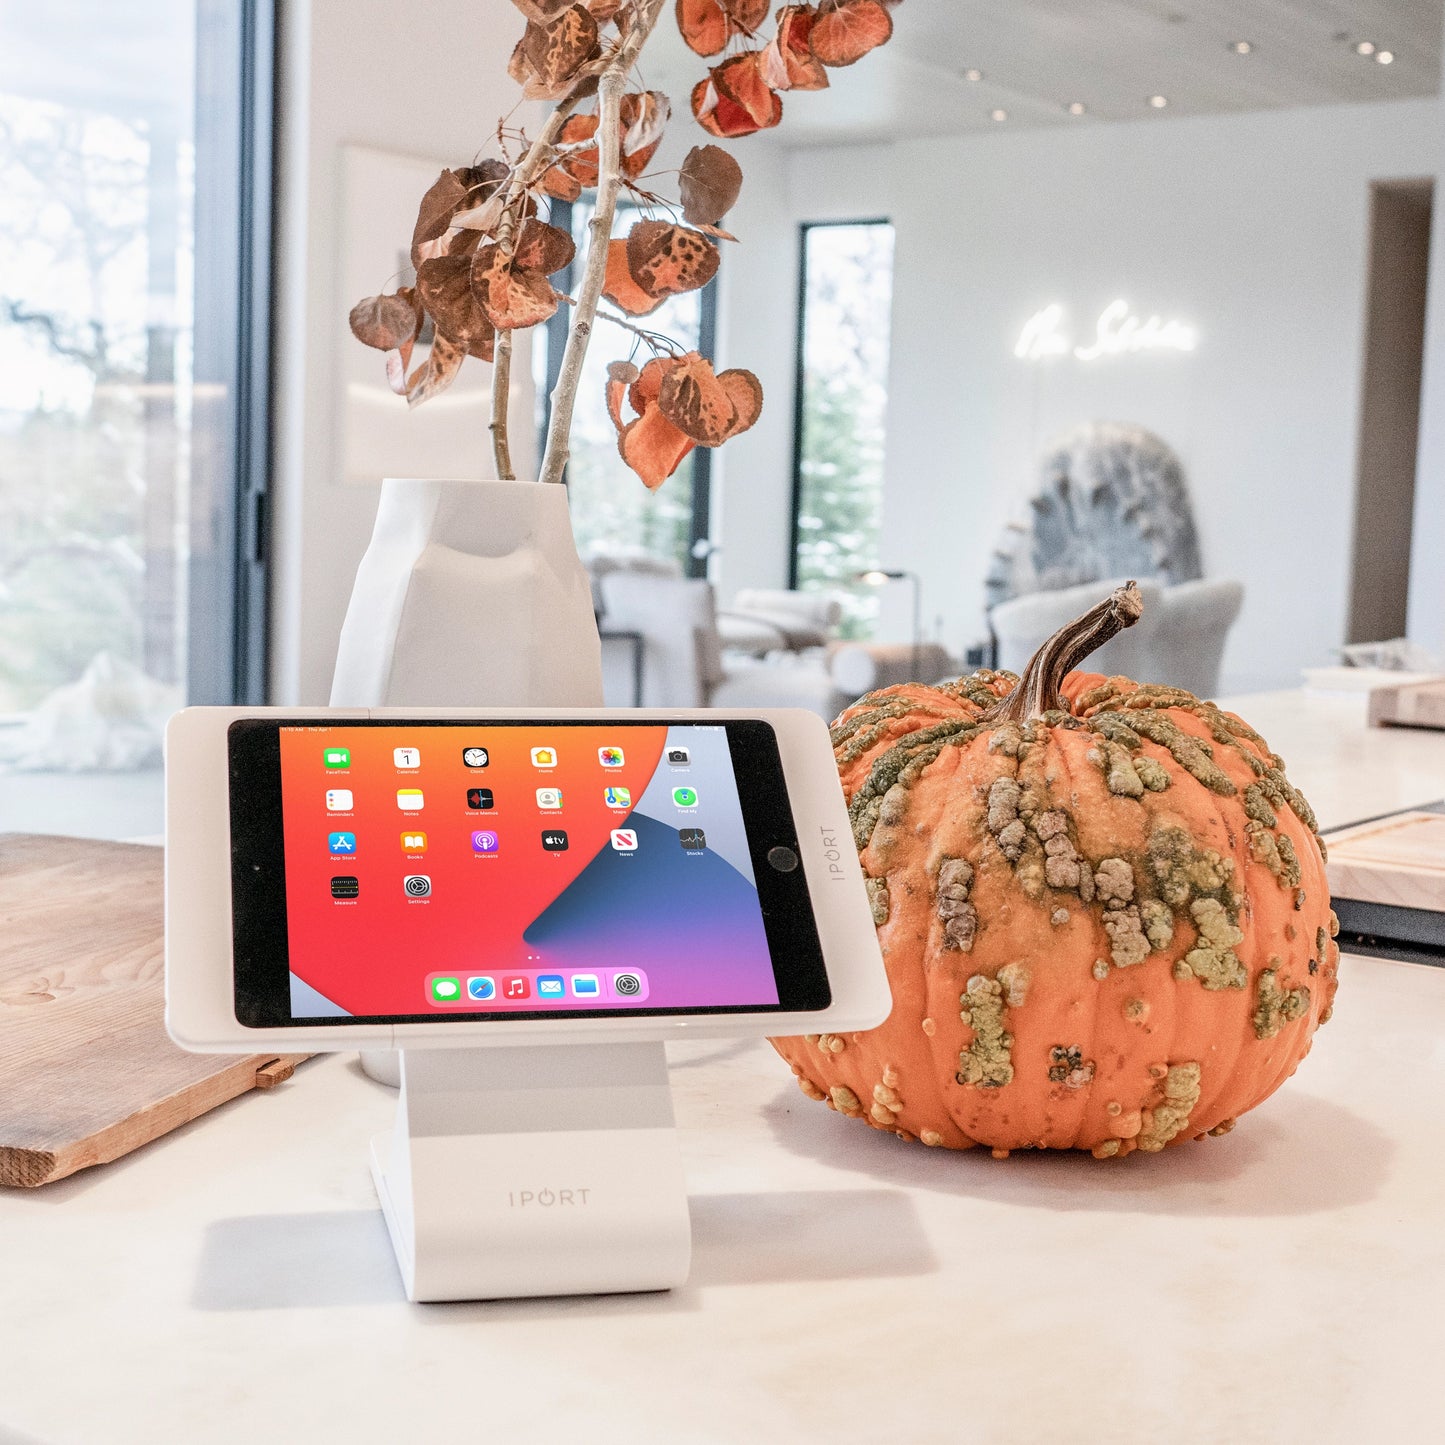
(504, 868)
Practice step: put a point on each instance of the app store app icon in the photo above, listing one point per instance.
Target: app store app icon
(341, 843)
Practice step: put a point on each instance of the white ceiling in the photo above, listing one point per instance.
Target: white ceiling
(1038, 55)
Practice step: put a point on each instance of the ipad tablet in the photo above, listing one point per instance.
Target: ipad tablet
(337, 878)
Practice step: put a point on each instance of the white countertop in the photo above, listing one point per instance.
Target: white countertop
(234, 1282)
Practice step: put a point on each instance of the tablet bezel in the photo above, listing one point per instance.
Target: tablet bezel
(200, 998)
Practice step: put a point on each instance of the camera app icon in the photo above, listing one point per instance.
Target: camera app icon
(416, 885)
(679, 757)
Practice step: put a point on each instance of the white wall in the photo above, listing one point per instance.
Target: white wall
(358, 73)
(1253, 227)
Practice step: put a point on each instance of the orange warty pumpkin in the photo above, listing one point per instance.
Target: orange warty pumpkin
(1102, 907)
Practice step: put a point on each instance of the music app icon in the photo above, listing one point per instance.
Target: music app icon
(517, 987)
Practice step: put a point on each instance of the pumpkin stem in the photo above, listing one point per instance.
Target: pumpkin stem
(1037, 691)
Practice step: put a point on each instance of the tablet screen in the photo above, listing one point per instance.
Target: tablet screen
(437, 870)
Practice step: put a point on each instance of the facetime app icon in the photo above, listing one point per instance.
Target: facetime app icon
(337, 757)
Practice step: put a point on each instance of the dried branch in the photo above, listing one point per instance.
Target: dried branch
(609, 139)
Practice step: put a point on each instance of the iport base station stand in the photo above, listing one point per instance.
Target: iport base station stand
(534, 1170)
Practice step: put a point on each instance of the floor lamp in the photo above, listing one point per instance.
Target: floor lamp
(876, 577)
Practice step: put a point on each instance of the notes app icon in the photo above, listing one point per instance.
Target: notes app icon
(409, 800)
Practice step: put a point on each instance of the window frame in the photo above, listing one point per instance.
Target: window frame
(800, 370)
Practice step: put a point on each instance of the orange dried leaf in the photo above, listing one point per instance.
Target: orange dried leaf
(746, 15)
(696, 402)
(644, 117)
(704, 25)
(620, 375)
(436, 373)
(648, 387)
(542, 11)
(709, 183)
(445, 286)
(746, 393)
(845, 31)
(385, 322)
(740, 80)
(619, 287)
(543, 248)
(578, 166)
(653, 447)
(666, 260)
(396, 365)
(788, 61)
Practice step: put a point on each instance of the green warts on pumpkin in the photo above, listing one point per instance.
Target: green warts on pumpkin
(1170, 1116)
(1276, 1007)
(986, 1062)
(955, 912)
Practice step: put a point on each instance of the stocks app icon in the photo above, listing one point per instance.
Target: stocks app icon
(693, 839)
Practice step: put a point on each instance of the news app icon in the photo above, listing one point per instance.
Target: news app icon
(484, 841)
(338, 800)
(544, 757)
(549, 798)
(679, 757)
(345, 887)
(624, 840)
(685, 797)
(337, 757)
(585, 985)
(406, 757)
(416, 885)
(550, 985)
(554, 840)
(480, 988)
(517, 987)
(409, 800)
(618, 797)
(446, 990)
(475, 757)
(340, 844)
(479, 798)
(693, 839)
(413, 842)
(610, 757)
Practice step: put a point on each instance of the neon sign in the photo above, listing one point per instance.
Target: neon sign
(1117, 333)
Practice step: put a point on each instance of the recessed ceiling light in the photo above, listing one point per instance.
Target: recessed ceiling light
(1158, 101)
(973, 74)
(1241, 47)
(1076, 107)
(1384, 57)
(998, 115)
(1364, 47)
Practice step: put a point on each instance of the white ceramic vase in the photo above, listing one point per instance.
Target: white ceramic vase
(470, 594)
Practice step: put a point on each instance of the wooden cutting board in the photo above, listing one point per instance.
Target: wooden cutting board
(1411, 705)
(87, 1072)
(1398, 861)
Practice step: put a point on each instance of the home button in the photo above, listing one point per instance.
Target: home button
(783, 859)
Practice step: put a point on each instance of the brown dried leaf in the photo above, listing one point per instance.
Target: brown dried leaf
(542, 11)
(543, 249)
(445, 287)
(445, 198)
(436, 373)
(648, 387)
(559, 49)
(512, 298)
(666, 260)
(696, 402)
(740, 80)
(846, 30)
(620, 375)
(709, 182)
(385, 322)
(605, 10)
(644, 118)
